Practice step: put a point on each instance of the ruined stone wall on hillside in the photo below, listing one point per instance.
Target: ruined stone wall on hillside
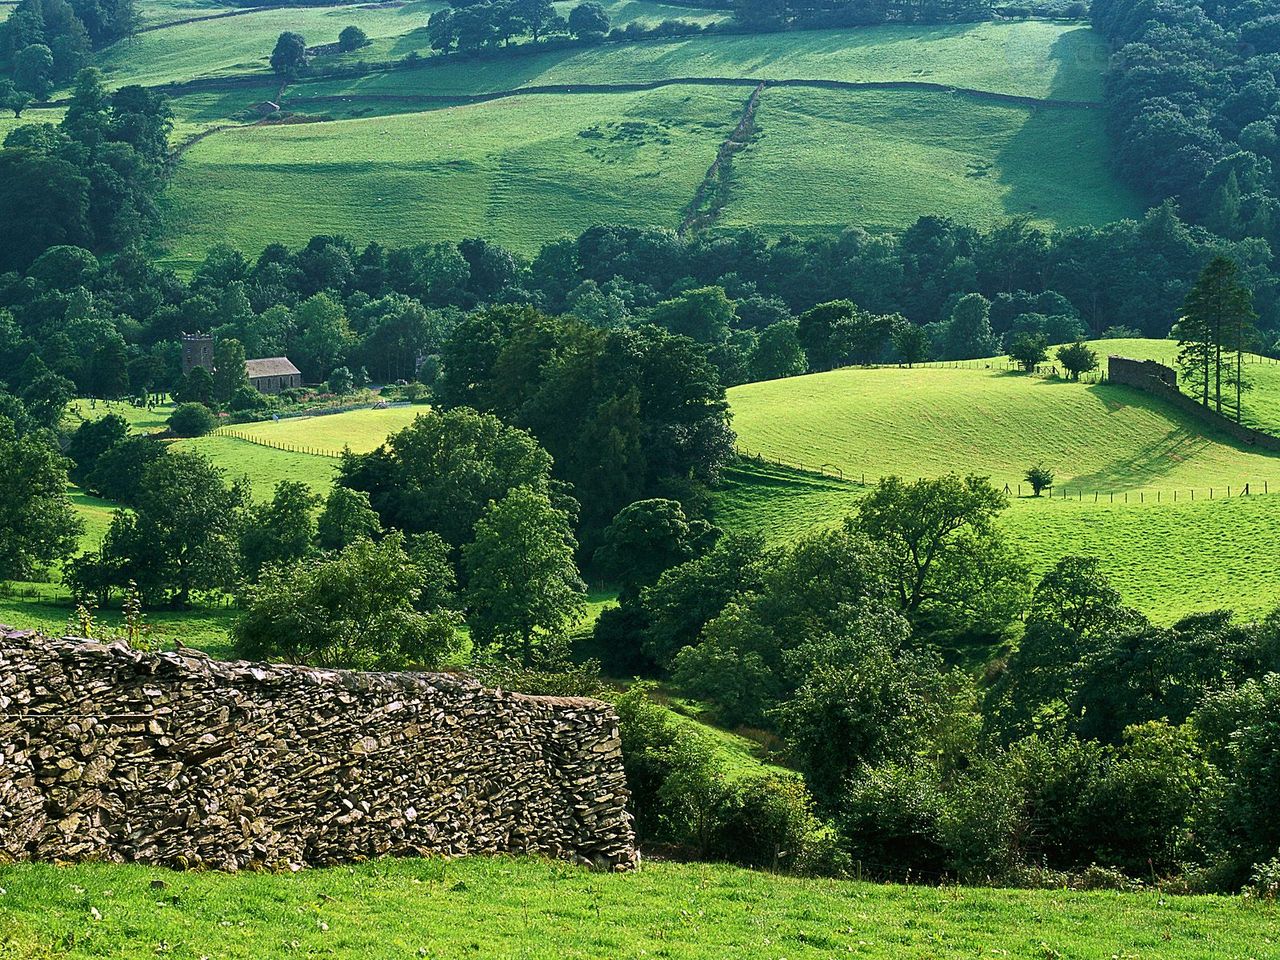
(109, 753)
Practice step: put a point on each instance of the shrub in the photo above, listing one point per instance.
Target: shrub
(891, 817)
(192, 420)
(1264, 883)
(1040, 477)
(766, 822)
(352, 38)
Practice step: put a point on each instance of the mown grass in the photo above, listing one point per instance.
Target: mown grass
(881, 160)
(518, 171)
(1260, 402)
(361, 430)
(243, 44)
(929, 421)
(1033, 59)
(264, 467)
(526, 908)
(1127, 462)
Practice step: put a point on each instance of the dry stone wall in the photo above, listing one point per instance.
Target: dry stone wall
(109, 753)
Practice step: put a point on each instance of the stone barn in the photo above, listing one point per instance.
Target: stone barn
(272, 374)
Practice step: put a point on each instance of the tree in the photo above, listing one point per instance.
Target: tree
(1028, 350)
(11, 98)
(192, 420)
(539, 16)
(346, 518)
(911, 343)
(1217, 316)
(778, 352)
(588, 21)
(761, 15)
(441, 472)
(355, 608)
(648, 537)
(968, 332)
(280, 531)
(229, 372)
(1040, 477)
(352, 38)
(91, 440)
(289, 58)
(38, 524)
(182, 534)
(118, 471)
(522, 584)
(341, 381)
(943, 545)
(33, 70)
(1076, 358)
(704, 314)
(195, 387)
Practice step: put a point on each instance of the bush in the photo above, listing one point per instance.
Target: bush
(1040, 477)
(766, 822)
(351, 38)
(192, 420)
(1264, 883)
(891, 817)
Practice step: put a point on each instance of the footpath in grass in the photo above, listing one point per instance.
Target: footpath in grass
(822, 159)
(525, 908)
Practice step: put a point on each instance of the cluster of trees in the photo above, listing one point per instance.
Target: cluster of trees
(1214, 332)
(92, 181)
(938, 290)
(781, 14)
(1105, 748)
(47, 42)
(470, 25)
(1194, 108)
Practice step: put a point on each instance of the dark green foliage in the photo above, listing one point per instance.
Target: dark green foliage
(192, 420)
(1029, 350)
(346, 518)
(1076, 358)
(523, 588)
(289, 58)
(352, 38)
(38, 525)
(354, 608)
(588, 20)
(1040, 477)
(441, 472)
(91, 440)
(280, 531)
(117, 473)
(648, 537)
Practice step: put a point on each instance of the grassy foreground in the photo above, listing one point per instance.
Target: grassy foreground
(500, 908)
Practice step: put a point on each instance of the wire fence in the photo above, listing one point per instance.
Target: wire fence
(277, 444)
(1020, 489)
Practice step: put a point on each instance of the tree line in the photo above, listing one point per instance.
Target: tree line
(45, 43)
(1194, 108)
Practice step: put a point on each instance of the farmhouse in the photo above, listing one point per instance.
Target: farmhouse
(272, 374)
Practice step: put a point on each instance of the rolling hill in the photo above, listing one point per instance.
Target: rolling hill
(1146, 490)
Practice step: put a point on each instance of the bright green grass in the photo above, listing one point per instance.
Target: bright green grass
(1260, 404)
(881, 160)
(243, 44)
(520, 171)
(1033, 59)
(140, 419)
(264, 467)
(931, 421)
(361, 430)
(499, 908)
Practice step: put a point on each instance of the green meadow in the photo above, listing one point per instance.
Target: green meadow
(361, 430)
(1128, 464)
(825, 158)
(1030, 59)
(498, 907)
(520, 171)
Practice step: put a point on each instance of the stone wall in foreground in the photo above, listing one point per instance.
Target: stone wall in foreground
(173, 758)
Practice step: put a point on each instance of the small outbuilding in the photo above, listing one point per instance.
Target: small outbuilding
(272, 374)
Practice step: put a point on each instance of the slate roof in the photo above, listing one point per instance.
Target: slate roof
(270, 367)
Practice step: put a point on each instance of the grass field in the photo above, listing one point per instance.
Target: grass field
(823, 159)
(1033, 59)
(930, 421)
(524, 908)
(361, 430)
(1120, 455)
(519, 171)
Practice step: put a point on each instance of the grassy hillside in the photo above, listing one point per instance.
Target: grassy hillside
(508, 908)
(823, 159)
(1033, 59)
(1260, 404)
(1120, 455)
(361, 430)
(519, 171)
(929, 421)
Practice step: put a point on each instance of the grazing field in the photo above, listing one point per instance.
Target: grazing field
(503, 907)
(263, 466)
(243, 43)
(518, 171)
(822, 159)
(1030, 59)
(361, 430)
(1120, 456)
(930, 421)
